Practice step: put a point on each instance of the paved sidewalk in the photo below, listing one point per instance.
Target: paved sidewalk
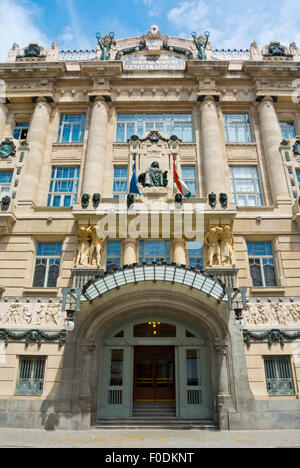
(31, 438)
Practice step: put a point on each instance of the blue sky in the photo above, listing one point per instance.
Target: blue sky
(73, 23)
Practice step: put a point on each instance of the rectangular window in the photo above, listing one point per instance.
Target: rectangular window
(113, 254)
(31, 376)
(279, 376)
(120, 182)
(195, 254)
(5, 182)
(262, 267)
(245, 186)
(288, 130)
(180, 125)
(47, 264)
(21, 130)
(116, 370)
(192, 367)
(63, 186)
(188, 174)
(71, 128)
(237, 128)
(154, 251)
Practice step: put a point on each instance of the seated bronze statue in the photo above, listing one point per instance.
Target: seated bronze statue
(154, 177)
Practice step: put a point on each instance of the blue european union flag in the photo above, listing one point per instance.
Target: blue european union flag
(134, 182)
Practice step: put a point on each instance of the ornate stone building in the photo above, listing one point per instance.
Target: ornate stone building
(150, 235)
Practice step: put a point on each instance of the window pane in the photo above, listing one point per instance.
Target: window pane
(237, 128)
(39, 275)
(288, 130)
(255, 272)
(178, 124)
(53, 275)
(116, 369)
(192, 367)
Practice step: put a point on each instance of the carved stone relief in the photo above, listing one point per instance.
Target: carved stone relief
(272, 314)
(31, 315)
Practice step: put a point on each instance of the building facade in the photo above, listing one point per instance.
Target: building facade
(150, 234)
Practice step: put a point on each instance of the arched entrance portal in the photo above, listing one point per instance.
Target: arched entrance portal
(154, 359)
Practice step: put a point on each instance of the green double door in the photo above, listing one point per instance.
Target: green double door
(155, 373)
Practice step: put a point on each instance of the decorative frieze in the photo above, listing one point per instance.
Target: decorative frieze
(266, 314)
(29, 315)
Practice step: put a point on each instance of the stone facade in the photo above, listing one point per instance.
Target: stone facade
(153, 74)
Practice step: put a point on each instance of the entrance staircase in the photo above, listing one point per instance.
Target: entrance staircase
(155, 415)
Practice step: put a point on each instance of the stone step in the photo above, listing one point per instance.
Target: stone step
(154, 423)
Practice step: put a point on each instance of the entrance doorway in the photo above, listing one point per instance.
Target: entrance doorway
(154, 373)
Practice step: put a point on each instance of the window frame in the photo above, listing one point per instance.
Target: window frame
(287, 122)
(35, 360)
(279, 380)
(248, 132)
(165, 123)
(189, 179)
(120, 195)
(21, 127)
(235, 194)
(261, 264)
(167, 251)
(54, 179)
(113, 256)
(63, 123)
(195, 256)
(6, 184)
(48, 258)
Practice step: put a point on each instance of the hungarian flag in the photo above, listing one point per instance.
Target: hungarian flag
(182, 187)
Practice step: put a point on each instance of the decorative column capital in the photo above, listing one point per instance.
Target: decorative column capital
(264, 99)
(208, 98)
(88, 348)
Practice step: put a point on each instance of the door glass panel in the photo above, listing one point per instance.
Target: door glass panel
(165, 371)
(116, 370)
(192, 366)
(144, 371)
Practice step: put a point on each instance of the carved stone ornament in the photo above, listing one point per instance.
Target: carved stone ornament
(296, 148)
(272, 314)
(220, 243)
(7, 148)
(31, 315)
(89, 246)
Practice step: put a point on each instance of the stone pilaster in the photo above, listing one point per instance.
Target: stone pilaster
(37, 138)
(216, 175)
(96, 149)
(179, 251)
(272, 137)
(3, 117)
(129, 251)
